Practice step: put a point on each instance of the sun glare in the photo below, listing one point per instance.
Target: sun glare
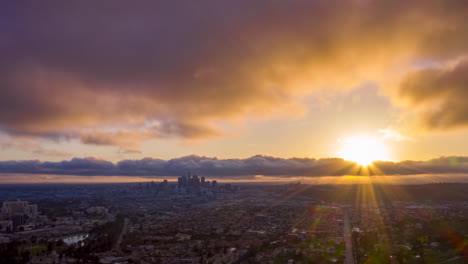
(363, 149)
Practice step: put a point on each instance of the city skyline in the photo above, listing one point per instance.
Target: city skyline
(234, 132)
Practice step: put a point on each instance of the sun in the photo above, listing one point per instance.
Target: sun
(363, 149)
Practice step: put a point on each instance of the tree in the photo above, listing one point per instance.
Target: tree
(50, 246)
(25, 256)
(60, 243)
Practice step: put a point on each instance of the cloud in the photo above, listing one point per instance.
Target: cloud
(393, 135)
(234, 168)
(68, 69)
(30, 145)
(438, 95)
(129, 139)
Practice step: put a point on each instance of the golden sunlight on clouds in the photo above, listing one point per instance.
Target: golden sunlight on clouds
(133, 80)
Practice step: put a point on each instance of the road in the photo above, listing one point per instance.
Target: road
(349, 257)
(452, 259)
(122, 233)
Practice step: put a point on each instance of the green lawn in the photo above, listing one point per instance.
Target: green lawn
(36, 250)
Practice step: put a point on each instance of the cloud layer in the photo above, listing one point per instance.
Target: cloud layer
(118, 73)
(232, 168)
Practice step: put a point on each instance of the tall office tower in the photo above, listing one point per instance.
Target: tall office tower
(179, 182)
(203, 181)
(189, 179)
(196, 181)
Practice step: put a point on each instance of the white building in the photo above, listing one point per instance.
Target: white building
(11, 208)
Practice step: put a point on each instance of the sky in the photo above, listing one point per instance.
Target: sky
(118, 81)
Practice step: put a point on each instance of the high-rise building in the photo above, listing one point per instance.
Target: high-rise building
(179, 182)
(196, 181)
(182, 181)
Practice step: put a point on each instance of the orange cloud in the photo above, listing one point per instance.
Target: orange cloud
(438, 96)
(70, 69)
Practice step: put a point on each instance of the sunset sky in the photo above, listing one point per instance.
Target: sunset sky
(125, 80)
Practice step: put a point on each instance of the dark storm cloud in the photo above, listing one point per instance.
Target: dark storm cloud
(256, 165)
(69, 67)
